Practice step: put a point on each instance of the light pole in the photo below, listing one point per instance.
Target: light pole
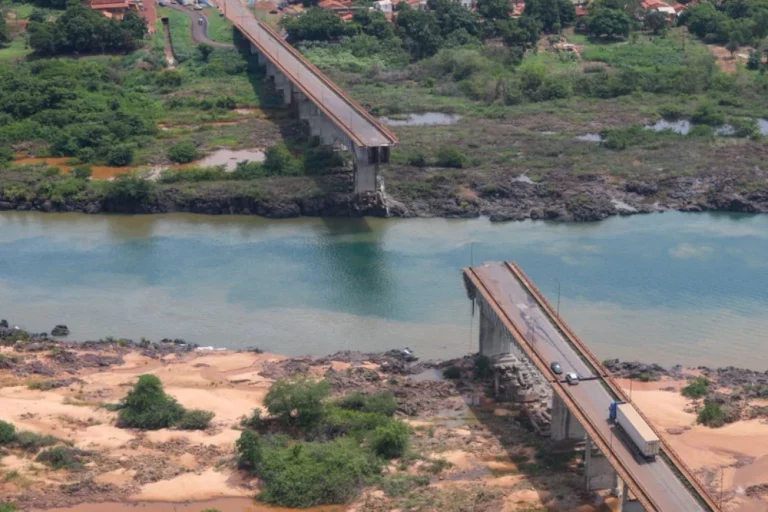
(558, 297)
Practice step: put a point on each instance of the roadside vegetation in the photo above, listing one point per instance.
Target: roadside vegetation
(311, 450)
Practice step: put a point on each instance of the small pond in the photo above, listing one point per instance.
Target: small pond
(423, 119)
(229, 158)
(590, 137)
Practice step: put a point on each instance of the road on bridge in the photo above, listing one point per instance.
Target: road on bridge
(656, 478)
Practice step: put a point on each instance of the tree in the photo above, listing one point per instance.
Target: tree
(522, 32)
(298, 402)
(732, 46)
(551, 12)
(656, 22)
(183, 152)
(120, 155)
(420, 32)
(374, 23)
(279, 161)
(493, 9)
(5, 36)
(753, 62)
(316, 24)
(147, 406)
(609, 22)
(205, 51)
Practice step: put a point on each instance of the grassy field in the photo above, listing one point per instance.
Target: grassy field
(14, 51)
(180, 31)
(219, 28)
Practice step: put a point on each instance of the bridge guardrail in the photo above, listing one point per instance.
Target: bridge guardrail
(681, 466)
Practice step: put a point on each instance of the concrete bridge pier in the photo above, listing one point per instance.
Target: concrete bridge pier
(367, 160)
(564, 424)
(598, 471)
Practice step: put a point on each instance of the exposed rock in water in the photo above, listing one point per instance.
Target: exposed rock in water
(60, 330)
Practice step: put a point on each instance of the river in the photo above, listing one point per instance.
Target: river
(668, 288)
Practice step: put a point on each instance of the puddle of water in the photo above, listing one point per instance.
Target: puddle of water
(429, 374)
(590, 137)
(229, 158)
(225, 504)
(682, 126)
(762, 125)
(523, 178)
(726, 130)
(60, 162)
(421, 119)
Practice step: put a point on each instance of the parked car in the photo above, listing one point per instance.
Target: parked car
(162, 4)
(571, 378)
(556, 368)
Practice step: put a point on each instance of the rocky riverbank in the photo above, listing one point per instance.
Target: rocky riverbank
(582, 198)
(466, 449)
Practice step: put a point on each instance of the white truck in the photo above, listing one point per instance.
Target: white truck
(633, 425)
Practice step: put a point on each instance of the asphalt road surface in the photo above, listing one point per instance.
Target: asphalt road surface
(199, 30)
(656, 478)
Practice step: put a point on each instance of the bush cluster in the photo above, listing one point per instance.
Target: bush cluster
(341, 447)
(148, 407)
(62, 457)
(698, 387)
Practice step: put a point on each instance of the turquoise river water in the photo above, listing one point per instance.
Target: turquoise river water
(667, 288)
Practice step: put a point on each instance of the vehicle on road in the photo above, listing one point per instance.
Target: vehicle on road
(571, 378)
(198, 7)
(162, 4)
(556, 368)
(636, 429)
(200, 21)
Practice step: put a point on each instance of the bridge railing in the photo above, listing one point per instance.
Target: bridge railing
(678, 462)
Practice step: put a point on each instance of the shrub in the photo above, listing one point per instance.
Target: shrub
(712, 415)
(298, 402)
(7, 433)
(32, 442)
(278, 161)
(254, 421)
(195, 419)
(708, 114)
(390, 440)
(380, 403)
(697, 388)
(120, 155)
(62, 457)
(339, 422)
(247, 170)
(451, 157)
(744, 127)
(310, 474)
(249, 448)
(148, 407)
(417, 158)
(128, 190)
(183, 152)
(193, 175)
(82, 172)
(622, 138)
(452, 372)
(482, 367)
(8, 507)
(672, 111)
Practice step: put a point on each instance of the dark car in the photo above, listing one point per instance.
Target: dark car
(571, 378)
(556, 368)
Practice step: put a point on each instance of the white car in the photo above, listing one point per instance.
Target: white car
(198, 7)
(571, 378)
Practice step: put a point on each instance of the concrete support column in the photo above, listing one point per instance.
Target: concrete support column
(492, 341)
(630, 505)
(365, 172)
(598, 472)
(564, 425)
(271, 70)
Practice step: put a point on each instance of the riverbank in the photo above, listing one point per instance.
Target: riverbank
(465, 448)
(561, 197)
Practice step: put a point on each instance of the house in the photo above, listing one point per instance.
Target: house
(112, 8)
(518, 9)
(659, 6)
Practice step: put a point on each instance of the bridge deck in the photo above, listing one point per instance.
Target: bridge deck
(656, 479)
(364, 129)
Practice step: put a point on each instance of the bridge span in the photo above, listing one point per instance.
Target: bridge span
(516, 319)
(332, 115)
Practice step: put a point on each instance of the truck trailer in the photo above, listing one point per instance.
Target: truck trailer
(636, 429)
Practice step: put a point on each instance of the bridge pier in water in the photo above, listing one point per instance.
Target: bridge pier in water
(367, 160)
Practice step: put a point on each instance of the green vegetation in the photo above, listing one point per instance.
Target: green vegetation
(32, 442)
(148, 407)
(81, 29)
(298, 402)
(340, 446)
(738, 21)
(7, 433)
(195, 419)
(483, 369)
(7, 507)
(697, 388)
(400, 484)
(452, 372)
(219, 28)
(62, 457)
(712, 415)
(183, 152)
